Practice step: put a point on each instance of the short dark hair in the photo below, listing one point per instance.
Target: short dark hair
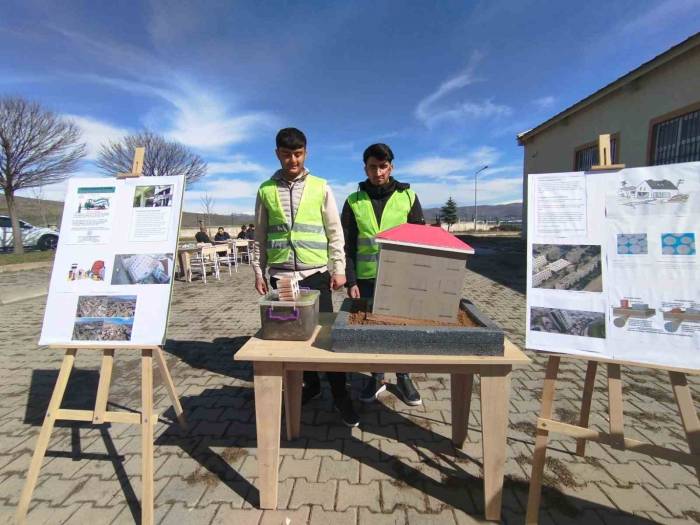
(378, 151)
(290, 138)
(243, 227)
(251, 226)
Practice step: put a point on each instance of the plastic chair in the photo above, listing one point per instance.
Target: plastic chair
(227, 256)
(204, 259)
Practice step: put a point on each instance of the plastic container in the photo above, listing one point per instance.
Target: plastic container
(289, 320)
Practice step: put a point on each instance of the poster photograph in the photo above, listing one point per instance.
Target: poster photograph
(567, 267)
(145, 268)
(118, 289)
(153, 196)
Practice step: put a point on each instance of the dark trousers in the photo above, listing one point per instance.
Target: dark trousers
(366, 287)
(322, 283)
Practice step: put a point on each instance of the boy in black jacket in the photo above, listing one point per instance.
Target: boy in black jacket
(380, 203)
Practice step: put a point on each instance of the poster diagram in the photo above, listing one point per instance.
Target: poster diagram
(106, 285)
(632, 244)
(627, 286)
(678, 243)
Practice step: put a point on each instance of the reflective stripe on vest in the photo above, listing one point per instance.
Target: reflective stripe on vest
(307, 236)
(395, 213)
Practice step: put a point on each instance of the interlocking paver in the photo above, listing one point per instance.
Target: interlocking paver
(333, 474)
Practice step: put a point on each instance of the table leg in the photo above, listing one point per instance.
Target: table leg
(495, 386)
(268, 412)
(292, 402)
(461, 386)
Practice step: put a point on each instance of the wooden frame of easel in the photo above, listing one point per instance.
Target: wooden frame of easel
(616, 437)
(100, 415)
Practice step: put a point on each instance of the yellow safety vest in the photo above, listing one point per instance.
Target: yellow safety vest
(305, 234)
(395, 213)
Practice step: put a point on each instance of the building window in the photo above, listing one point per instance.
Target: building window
(677, 139)
(587, 156)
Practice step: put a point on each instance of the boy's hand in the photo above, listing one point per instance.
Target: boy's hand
(260, 285)
(337, 281)
(354, 292)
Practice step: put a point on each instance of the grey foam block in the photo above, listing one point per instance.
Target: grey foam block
(486, 339)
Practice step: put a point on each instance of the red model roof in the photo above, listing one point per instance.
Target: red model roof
(424, 236)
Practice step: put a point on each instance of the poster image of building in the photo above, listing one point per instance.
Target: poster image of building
(567, 322)
(574, 267)
(106, 306)
(103, 328)
(142, 268)
(153, 196)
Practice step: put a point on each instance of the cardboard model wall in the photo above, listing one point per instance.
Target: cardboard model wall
(421, 272)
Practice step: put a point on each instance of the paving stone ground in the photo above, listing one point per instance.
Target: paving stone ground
(398, 467)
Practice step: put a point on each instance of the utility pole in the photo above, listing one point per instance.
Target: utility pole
(475, 208)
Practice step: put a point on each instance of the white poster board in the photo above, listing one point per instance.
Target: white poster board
(613, 267)
(114, 266)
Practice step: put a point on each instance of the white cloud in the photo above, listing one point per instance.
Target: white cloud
(196, 116)
(237, 164)
(489, 191)
(448, 167)
(660, 16)
(230, 194)
(96, 133)
(544, 102)
(431, 110)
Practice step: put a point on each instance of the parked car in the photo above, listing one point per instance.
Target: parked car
(32, 236)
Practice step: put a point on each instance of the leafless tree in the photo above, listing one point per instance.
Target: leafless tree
(37, 147)
(38, 194)
(162, 157)
(207, 208)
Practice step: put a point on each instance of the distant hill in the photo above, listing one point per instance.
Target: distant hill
(35, 211)
(191, 220)
(512, 210)
(44, 212)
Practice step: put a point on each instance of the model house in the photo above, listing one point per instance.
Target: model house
(421, 272)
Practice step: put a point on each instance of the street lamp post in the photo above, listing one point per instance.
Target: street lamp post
(475, 208)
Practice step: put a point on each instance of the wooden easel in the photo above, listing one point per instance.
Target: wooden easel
(605, 155)
(616, 437)
(100, 415)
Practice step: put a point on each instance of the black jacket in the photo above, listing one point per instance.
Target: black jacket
(379, 195)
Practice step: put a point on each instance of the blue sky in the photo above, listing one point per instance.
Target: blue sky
(446, 84)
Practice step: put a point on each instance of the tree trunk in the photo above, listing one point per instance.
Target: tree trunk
(16, 230)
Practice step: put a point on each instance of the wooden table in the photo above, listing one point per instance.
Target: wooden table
(276, 362)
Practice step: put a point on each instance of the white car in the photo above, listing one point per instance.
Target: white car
(32, 236)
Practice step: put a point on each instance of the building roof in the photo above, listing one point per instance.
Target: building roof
(418, 235)
(668, 55)
(661, 184)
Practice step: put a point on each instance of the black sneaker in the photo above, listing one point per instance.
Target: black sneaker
(408, 392)
(310, 392)
(372, 389)
(347, 412)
